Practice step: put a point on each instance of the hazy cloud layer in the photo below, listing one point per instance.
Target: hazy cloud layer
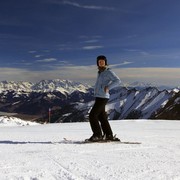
(167, 76)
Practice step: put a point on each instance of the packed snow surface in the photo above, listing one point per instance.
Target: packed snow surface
(40, 153)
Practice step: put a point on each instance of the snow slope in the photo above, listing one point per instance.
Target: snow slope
(27, 152)
(13, 121)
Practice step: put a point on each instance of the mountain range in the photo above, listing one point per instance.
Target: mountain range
(63, 86)
(68, 101)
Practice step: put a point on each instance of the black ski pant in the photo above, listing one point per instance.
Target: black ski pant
(99, 119)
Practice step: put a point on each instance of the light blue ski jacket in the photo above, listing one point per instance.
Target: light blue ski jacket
(105, 78)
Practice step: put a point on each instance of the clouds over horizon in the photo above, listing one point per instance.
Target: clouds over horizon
(87, 74)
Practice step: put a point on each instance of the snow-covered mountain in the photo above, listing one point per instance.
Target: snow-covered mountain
(144, 103)
(15, 86)
(36, 99)
(149, 103)
(63, 86)
(71, 101)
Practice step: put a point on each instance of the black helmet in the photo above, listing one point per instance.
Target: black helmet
(102, 57)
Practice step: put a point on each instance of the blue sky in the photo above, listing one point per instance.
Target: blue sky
(48, 39)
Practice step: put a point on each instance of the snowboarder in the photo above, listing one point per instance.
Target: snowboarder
(106, 80)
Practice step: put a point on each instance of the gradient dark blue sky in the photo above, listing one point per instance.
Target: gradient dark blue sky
(61, 38)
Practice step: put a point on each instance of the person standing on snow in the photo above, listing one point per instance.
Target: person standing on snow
(98, 119)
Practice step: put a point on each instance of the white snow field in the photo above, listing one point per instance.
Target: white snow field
(40, 153)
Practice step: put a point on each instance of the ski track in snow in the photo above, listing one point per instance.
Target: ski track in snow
(40, 153)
